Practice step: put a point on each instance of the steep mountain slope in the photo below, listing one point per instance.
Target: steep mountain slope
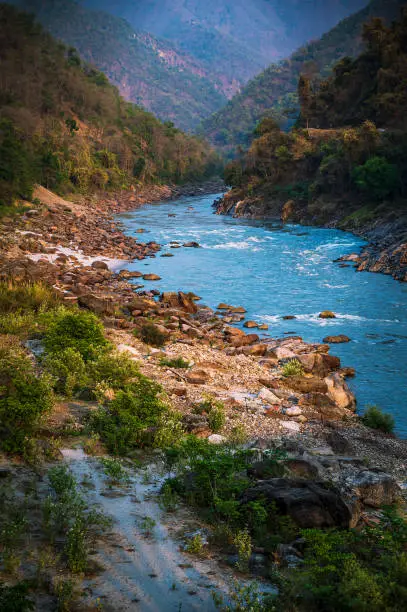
(147, 71)
(235, 39)
(275, 89)
(62, 124)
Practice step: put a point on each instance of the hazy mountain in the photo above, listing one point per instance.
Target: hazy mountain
(273, 90)
(235, 39)
(147, 71)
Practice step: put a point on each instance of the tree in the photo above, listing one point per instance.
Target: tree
(304, 96)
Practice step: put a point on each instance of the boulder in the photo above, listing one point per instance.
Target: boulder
(151, 277)
(306, 385)
(319, 364)
(243, 340)
(327, 314)
(309, 504)
(374, 487)
(250, 324)
(293, 411)
(339, 392)
(336, 339)
(101, 304)
(194, 245)
(197, 377)
(268, 396)
(257, 350)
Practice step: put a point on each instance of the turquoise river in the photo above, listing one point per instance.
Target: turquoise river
(274, 270)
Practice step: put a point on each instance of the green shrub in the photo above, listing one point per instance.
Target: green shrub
(130, 419)
(215, 411)
(238, 435)
(195, 545)
(76, 547)
(364, 570)
(115, 470)
(115, 369)
(68, 369)
(26, 297)
(217, 418)
(176, 362)
(377, 177)
(293, 368)
(151, 334)
(243, 543)
(15, 598)
(376, 419)
(81, 331)
(25, 396)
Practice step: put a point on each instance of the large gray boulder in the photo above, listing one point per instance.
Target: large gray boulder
(309, 504)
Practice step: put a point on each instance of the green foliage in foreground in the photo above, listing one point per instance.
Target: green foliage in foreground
(25, 396)
(364, 571)
(132, 418)
(376, 419)
(81, 331)
(15, 598)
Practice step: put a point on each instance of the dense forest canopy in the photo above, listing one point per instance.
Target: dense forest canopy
(65, 126)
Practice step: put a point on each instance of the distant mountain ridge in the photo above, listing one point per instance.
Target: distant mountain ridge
(233, 39)
(275, 89)
(148, 71)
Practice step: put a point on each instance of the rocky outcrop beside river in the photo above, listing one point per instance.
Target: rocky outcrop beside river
(386, 234)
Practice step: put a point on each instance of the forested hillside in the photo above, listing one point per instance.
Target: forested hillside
(65, 126)
(274, 91)
(149, 72)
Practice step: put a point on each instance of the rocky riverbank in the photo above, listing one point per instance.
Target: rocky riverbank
(278, 395)
(386, 232)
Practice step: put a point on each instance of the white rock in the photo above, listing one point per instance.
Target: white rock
(216, 439)
(268, 396)
(291, 425)
(294, 411)
(284, 353)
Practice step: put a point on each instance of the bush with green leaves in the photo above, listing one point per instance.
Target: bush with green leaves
(66, 513)
(25, 397)
(175, 362)
(150, 334)
(293, 368)
(377, 419)
(78, 330)
(130, 419)
(68, 369)
(114, 470)
(215, 410)
(378, 178)
(115, 369)
(26, 297)
(16, 598)
(362, 570)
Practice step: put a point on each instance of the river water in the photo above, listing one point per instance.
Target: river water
(275, 270)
